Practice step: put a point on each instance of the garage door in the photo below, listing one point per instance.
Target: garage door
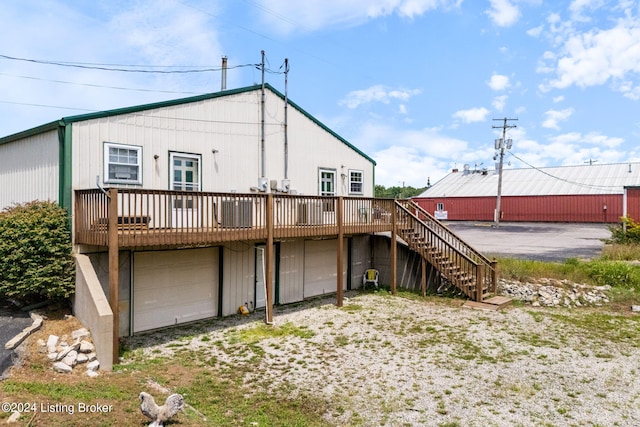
(320, 274)
(172, 287)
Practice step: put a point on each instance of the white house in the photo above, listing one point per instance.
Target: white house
(180, 209)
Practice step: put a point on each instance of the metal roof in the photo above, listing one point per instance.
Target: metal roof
(559, 180)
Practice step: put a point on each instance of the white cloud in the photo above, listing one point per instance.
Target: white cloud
(377, 93)
(499, 102)
(472, 115)
(600, 56)
(285, 16)
(552, 117)
(414, 155)
(503, 13)
(498, 82)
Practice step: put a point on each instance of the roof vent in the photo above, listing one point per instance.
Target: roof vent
(466, 168)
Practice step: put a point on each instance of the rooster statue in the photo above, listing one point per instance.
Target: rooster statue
(160, 414)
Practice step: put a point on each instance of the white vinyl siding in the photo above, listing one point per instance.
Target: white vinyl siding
(30, 169)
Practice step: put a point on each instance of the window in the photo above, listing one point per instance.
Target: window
(327, 187)
(185, 171)
(355, 182)
(122, 163)
(327, 182)
(440, 207)
(185, 176)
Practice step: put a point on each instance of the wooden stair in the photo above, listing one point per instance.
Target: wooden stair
(456, 261)
(493, 304)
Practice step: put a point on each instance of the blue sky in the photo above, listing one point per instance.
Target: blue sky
(416, 84)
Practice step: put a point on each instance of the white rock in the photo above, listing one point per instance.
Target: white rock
(52, 342)
(93, 366)
(52, 356)
(70, 358)
(66, 351)
(78, 334)
(61, 367)
(82, 358)
(92, 374)
(635, 308)
(86, 347)
(13, 418)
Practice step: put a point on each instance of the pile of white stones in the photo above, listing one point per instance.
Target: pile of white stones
(554, 293)
(66, 357)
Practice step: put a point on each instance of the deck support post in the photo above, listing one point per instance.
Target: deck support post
(340, 256)
(112, 242)
(268, 259)
(423, 280)
(393, 255)
(479, 282)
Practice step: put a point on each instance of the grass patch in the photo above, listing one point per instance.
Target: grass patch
(262, 331)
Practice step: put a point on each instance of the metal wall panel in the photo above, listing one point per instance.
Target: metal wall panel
(291, 271)
(29, 169)
(226, 132)
(633, 203)
(569, 208)
(238, 277)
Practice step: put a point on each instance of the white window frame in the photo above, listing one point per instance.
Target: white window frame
(108, 163)
(351, 173)
(328, 171)
(440, 206)
(196, 157)
(327, 205)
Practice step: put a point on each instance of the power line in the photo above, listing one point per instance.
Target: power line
(99, 86)
(131, 69)
(581, 184)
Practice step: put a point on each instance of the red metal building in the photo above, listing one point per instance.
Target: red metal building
(585, 193)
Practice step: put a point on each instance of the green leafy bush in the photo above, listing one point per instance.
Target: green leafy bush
(614, 273)
(35, 253)
(626, 232)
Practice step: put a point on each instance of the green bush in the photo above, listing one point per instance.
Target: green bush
(614, 273)
(626, 232)
(35, 253)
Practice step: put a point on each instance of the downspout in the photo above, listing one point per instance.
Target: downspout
(64, 168)
(286, 121)
(262, 101)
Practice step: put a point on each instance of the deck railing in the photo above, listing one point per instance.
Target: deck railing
(169, 218)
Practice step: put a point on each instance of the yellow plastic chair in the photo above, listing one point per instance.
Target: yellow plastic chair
(370, 276)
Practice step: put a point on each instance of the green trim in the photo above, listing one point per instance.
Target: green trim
(31, 132)
(64, 171)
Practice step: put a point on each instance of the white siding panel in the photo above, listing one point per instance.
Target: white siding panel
(172, 287)
(29, 169)
(226, 132)
(291, 287)
(320, 257)
(238, 277)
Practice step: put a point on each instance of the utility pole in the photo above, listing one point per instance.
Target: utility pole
(500, 145)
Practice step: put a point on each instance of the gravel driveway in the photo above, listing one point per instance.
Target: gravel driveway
(398, 361)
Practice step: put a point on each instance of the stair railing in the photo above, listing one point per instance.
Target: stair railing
(455, 259)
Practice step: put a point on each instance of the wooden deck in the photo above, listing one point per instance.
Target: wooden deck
(172, 218)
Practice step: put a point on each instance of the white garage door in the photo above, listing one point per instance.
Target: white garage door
(320, 257)
(171, 287)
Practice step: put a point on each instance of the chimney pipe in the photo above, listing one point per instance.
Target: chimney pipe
(224, 73)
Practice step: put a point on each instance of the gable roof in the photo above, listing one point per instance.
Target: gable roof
(137, 108)
(559, 180)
